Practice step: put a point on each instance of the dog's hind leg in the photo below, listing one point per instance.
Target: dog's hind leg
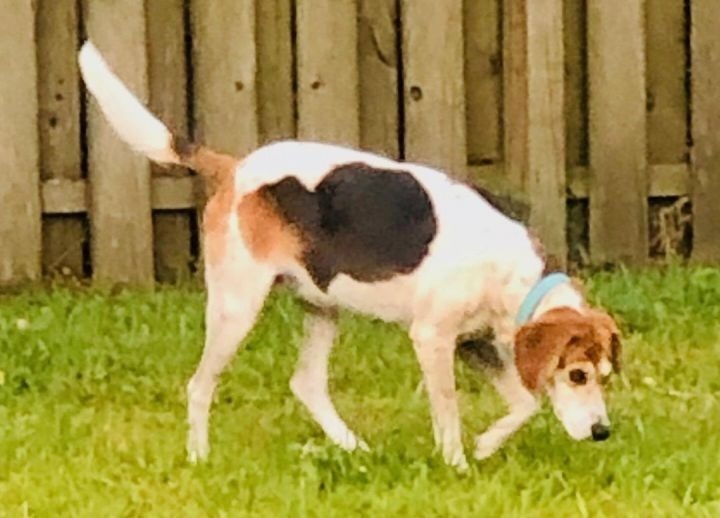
(309, 383)
(234, 301)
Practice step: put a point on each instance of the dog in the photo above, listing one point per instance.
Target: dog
(401, 242)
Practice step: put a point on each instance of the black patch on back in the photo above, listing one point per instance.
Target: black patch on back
(364, 222)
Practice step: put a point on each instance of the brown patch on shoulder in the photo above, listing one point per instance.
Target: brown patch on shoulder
(268, 236)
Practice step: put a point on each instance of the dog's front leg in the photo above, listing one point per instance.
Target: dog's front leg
(436, 354)
(523, 405)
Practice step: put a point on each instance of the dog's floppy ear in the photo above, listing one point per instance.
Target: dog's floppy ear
(606, 322)
(539, 346)
(615, 352)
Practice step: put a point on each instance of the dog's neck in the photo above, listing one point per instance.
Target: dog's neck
(562, 295)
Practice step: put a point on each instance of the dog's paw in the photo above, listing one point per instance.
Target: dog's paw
(349, 442)
(455, 458)
(484, 447)
(459, 462)
(196, 452)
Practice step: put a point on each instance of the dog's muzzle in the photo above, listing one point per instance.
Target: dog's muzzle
(600, 431)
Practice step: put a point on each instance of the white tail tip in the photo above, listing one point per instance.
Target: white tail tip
(125, 113)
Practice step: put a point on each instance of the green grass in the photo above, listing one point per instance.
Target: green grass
(92, 418)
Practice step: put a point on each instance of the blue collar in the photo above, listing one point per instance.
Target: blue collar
(536, 294)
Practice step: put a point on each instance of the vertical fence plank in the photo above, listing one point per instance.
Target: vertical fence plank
(377, 44)
(225, 74)
(705, 48)
(434, 89)
(276, 102)
(327, 71)
(576, 137)
(515, 92)
(618, 194)
(546, 124)
(20, 231)
(225, 96)
(483, 82)
(168, 99)
(535, 120)
(59, 127)
(121, 221)
(667, 97)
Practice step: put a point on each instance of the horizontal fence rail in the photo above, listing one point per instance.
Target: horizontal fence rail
(601, 115)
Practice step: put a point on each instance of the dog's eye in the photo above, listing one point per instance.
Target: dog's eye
(578, 376)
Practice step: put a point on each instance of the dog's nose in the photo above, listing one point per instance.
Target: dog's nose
(600, 431)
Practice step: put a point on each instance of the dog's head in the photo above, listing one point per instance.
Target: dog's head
(569, 355)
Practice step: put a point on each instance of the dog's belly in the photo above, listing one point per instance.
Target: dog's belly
(390, 300)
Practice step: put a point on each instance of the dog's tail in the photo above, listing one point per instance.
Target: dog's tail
(144, 132)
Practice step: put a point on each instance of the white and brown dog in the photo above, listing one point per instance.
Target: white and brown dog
(398, 241)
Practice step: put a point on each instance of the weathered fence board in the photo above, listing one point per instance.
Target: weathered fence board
(59, 127)
(546, 124)
(535, 126)
(378, 76)
(225, 74)
(586, 100)
(276, 104)
(515, 94)
(618, 196)
(328, 71)
(483, 81)
(168, 100)
(434, 87)
(705, 48)
(575, 88)
(121, 224)
(20, 232)
(666, 95)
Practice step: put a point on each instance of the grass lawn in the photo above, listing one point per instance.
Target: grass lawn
(92, 415)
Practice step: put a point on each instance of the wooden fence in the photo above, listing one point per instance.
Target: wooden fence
(604, 113)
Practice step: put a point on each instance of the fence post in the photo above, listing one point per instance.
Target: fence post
(59, 126)
(378, 64)
(225, 73)
(534, 114)
(168, 100)
(276, 102)
(20, 220)
(667, 104)
(705, 48)
(483, 81)
(434, 95)
(327, 71)
(618, 131)
(225, 96)
(122, 241)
